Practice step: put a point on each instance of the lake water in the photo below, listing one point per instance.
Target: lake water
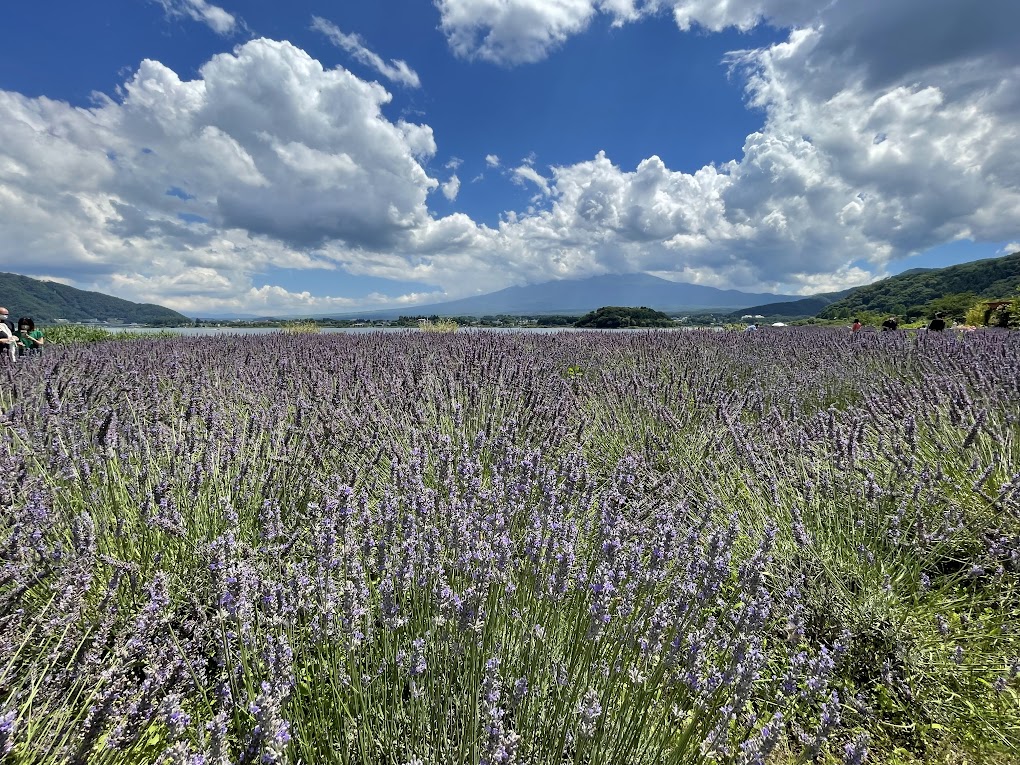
(212, 331)
(199, 331)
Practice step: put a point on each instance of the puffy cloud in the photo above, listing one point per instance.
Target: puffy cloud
(213, 16)
(511, 31)
(746, 14)
(887, 40)
(889, 128)
(268, 157)
(306, 154)
(451, 187)
(491, 160)
(395, 71)
(527, 173)
(905, 165)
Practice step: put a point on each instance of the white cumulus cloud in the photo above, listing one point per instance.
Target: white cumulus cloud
(511, 31)
(265, 159)
(451, 188)
(889, 128)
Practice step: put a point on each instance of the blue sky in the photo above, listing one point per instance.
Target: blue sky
(317, 157)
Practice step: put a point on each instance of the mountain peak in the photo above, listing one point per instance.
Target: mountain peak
(580, 296)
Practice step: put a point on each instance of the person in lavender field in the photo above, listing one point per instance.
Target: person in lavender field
(938, 323)
(856, 326)
(890, 324)
(8, 338)
(752, 327)
(31, 340)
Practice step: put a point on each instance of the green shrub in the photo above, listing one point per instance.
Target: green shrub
(301, 327)
(69, 334)
(438, 325)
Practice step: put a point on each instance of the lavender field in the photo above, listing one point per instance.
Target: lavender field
(648, 548)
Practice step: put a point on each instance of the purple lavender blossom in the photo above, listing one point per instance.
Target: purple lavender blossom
(499, 742)
(856, 752)
(8, 730)
(427, 496)
(589, 710)
(271, 735)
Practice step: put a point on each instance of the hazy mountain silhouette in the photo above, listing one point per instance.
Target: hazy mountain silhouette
(579, 296)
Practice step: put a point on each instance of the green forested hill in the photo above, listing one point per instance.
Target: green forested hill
(915, 294)
(616, 317)
(46, 302)
(793, 309)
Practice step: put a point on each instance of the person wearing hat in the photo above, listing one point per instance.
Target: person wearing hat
(8, 339)
(938, 323)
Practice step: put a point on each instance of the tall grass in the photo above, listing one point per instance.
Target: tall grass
(438, 325)
(688, 547)
(67, 334)
(301, 327)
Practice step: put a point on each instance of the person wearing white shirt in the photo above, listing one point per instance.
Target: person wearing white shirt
(7, 337)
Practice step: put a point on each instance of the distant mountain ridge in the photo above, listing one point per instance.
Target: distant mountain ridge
(905, 293)
(910, 292)
(46, 302)
(796, 309)
(580, 296)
